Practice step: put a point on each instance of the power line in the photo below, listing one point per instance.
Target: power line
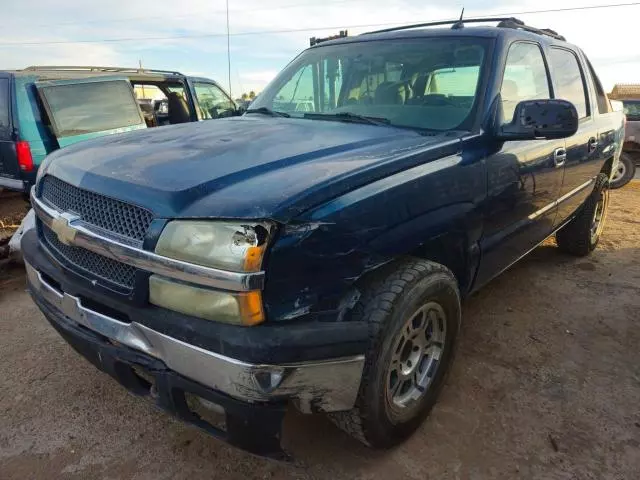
(296, 30)
(201, 14)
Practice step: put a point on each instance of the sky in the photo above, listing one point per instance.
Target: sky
(126, 32)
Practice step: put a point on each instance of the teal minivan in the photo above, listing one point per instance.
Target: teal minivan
(46, 108)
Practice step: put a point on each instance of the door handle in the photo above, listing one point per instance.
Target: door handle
(560, 156)
(593, 144)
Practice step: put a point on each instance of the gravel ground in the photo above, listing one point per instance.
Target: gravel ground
(546, 385)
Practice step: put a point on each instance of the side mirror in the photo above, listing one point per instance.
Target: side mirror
(540, 120)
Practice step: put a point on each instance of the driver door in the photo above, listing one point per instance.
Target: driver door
(524, 177)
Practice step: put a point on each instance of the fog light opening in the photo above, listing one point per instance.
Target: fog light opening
(206, 410)
(269, 380)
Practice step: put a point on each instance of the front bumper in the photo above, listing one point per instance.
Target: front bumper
(255, 428)
(330, 385)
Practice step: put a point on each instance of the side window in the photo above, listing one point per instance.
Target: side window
(4, 107)
(568, 79)
(525, 77)
(213, 102)
(603, 102)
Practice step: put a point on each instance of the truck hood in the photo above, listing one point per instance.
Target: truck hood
(254, 166)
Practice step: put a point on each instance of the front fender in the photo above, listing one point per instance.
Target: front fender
(317, 260)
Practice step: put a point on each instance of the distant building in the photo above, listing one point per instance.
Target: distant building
(625, 91)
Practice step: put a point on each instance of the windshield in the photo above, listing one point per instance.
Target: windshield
(632, 109)
(428, 83)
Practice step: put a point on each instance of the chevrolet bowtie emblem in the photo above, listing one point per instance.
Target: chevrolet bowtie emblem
(63, 229)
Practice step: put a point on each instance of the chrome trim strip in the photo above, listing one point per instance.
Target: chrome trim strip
(11, 183)
(72, 231)
(575, 191)
(557, 202)
(328, 386)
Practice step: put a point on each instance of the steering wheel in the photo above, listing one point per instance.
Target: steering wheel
(437, 100)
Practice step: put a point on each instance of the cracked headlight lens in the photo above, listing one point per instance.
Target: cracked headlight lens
(234, 246)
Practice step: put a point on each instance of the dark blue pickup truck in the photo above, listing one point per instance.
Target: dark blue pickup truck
(315, 251)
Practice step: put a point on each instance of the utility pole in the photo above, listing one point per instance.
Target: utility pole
(229, 49)
(140, 63)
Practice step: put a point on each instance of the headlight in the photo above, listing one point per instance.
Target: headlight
(241, 308)
(233, 246)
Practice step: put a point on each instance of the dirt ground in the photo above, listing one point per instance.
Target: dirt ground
(12, 209)
(546, 385)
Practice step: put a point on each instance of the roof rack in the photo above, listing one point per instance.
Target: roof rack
(314, 40)
(76, 68)
(504, 22)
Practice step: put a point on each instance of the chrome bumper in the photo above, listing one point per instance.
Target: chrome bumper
(327, 386)
(11, 183)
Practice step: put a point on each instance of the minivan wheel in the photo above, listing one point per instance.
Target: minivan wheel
(582, 234)
(413, 311)
(625, 170)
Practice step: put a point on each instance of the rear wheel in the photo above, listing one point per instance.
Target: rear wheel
(625, 170)
(581, 235)
(414, 315)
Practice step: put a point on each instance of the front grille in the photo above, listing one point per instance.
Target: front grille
(104, 268)
(129, 222)
(104, 212)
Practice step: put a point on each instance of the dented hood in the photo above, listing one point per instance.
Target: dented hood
(247, 167)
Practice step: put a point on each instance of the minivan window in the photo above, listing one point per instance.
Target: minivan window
(213, 102)
(525, 78)
(81, 108)
(568, 79)
(4, 106)
(632, 109)
(428, 83)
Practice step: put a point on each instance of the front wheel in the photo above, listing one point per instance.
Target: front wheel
(414, 315)
(625, 170)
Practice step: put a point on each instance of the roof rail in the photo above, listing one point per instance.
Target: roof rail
(520, 25)
(83, 68)
(504, 22)
(314, 40)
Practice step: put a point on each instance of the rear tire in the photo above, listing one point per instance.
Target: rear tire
(625, 170)
(413, 311)
(581, 235)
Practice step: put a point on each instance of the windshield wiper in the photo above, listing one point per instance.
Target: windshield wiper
(349, 117)
(268, 111)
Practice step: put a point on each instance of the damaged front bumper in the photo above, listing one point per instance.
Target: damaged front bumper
(253, 397)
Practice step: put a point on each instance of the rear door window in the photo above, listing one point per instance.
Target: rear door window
(89, 107)
(4, 108)
(603, 102)
(568, 80)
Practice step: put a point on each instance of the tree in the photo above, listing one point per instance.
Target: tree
(252, 94)
(244, 96)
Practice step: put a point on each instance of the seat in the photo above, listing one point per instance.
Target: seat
(178, 109)
(388, 93)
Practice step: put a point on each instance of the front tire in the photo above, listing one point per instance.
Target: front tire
(581, 235)
(625, 170)
(414, 316)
